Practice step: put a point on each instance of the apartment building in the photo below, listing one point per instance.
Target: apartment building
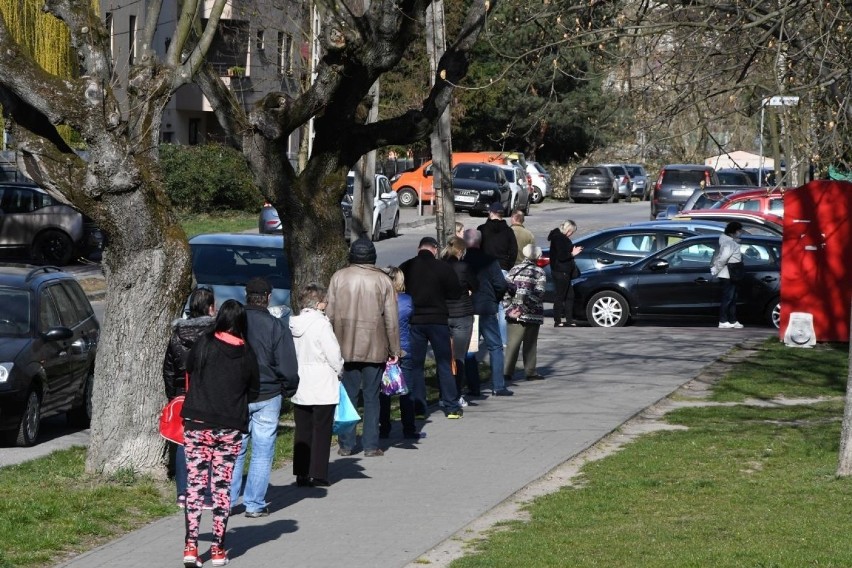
(260, 47)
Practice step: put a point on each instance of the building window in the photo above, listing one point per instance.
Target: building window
(194, 127)
(167, 137)
(108, 24)
(285, 53)
(131, 41)
(258, 40)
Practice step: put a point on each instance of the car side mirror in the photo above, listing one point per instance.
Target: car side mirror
(658, 265)
(57, 334)
(388, 195)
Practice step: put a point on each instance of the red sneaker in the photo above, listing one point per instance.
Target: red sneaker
(218, 555)
(190, 556)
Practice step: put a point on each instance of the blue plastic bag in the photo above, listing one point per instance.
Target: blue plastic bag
(345, 415)
(393, 381)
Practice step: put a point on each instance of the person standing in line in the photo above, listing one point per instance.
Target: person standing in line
(406, 401)
(320, 365)
(564, 269)
(431, 282)
(202, 309)
(363, 313)
(523, 236)
(459, 229)
(728, 267)
(498, 241)
(460, 311)
(224, 376)
(272, 342)
(525, 313)
(492, 287)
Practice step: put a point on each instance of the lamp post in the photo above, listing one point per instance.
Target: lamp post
(771, 101)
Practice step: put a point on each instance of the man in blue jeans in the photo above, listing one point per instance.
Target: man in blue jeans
(272, 342)
(430, 283)
(492, 288)
(363, 311)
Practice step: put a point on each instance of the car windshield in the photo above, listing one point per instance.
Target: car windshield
(235, 265)
(635, 171)
(14, 312)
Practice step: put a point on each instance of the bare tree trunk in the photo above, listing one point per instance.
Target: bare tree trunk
(844, 466)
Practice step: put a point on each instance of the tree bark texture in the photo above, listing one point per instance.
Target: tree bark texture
(844, 466)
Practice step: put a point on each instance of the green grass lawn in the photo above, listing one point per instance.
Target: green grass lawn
(227, 222)
(742, 486)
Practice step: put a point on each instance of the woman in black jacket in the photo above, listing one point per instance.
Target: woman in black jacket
(202, 309)
(460, 311)
(562, 267)
(223, 377)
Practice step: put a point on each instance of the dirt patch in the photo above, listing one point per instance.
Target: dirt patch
(92, 285)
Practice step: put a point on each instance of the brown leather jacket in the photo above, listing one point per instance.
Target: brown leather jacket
(363, 311)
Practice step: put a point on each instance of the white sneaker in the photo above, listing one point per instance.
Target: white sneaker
(462, 402)
(736, 325)
(725, 325)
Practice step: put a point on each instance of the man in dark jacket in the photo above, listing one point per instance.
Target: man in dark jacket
(492, 288)
(273, 343)
(498, 239)
(562, 267)
(430, 283)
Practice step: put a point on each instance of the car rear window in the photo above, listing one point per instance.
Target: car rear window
(590, 172)
(618, 170)
(635, 171)
(233, 265)
(683, 177)
(14, 312)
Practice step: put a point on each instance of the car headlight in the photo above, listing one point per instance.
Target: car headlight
(5, 371)
(487, 192)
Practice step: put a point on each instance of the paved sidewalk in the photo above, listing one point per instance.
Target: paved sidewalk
(386, 512)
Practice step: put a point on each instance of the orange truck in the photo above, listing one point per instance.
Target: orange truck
(416, 184)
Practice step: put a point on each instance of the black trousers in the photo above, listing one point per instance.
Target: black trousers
(312, 439)
(563, 303)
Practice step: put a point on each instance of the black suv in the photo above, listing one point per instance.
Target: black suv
(476, 186)
(677, 182)
(48, 341)
(52, 232)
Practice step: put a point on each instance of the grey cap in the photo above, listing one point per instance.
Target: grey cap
(362, 251)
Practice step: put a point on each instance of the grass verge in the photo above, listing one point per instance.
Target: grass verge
(741, 486)
(229, 222)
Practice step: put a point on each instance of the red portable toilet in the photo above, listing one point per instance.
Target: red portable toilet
(816, 266)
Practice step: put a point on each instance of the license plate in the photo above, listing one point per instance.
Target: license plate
(681, 192)
(595, 191)
(466, 199)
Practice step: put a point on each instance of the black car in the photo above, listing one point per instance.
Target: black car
(48, 341)
(593, 183)
(676, 282)
(476, 186)
(676, 183)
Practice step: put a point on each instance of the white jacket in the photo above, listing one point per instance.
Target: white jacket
(320, 361)
(729, 251)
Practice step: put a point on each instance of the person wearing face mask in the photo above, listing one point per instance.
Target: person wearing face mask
(727, 266)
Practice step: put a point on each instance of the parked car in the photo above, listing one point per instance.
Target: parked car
(52, 232)
(593, 183)
(705, 197)
(519, 186)
(268, 223)
(676, 282)
(618, 245)
(385, 208)
(753, 222)
(622, 177)
(767, 200)
(639, 177)
(48, 342)
(476, 186)
(677, 182)
(540, 179)
(731, 176)
(225, 262)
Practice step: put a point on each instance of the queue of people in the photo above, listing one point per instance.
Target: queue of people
(236, 366)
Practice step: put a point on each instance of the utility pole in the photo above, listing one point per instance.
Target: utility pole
(441, 140)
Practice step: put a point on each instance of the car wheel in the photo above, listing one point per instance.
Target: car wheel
(31, 420)
(53, 247)
(377, 230)
(81, 416)
(407, 197)
(394, 232)
(536, 195)
(607, 309)
(773, 313)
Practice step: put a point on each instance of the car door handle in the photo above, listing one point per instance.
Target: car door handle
(79, 346)
(701, 280)
(769, 279)
(604, 260)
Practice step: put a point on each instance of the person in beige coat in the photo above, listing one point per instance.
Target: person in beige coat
(523, 236)
(363, 311)
(321, 363)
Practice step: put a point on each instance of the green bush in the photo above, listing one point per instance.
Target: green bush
(208, 178)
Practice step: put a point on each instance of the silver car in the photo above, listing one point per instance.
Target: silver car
(540, 181)
(52, 232)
